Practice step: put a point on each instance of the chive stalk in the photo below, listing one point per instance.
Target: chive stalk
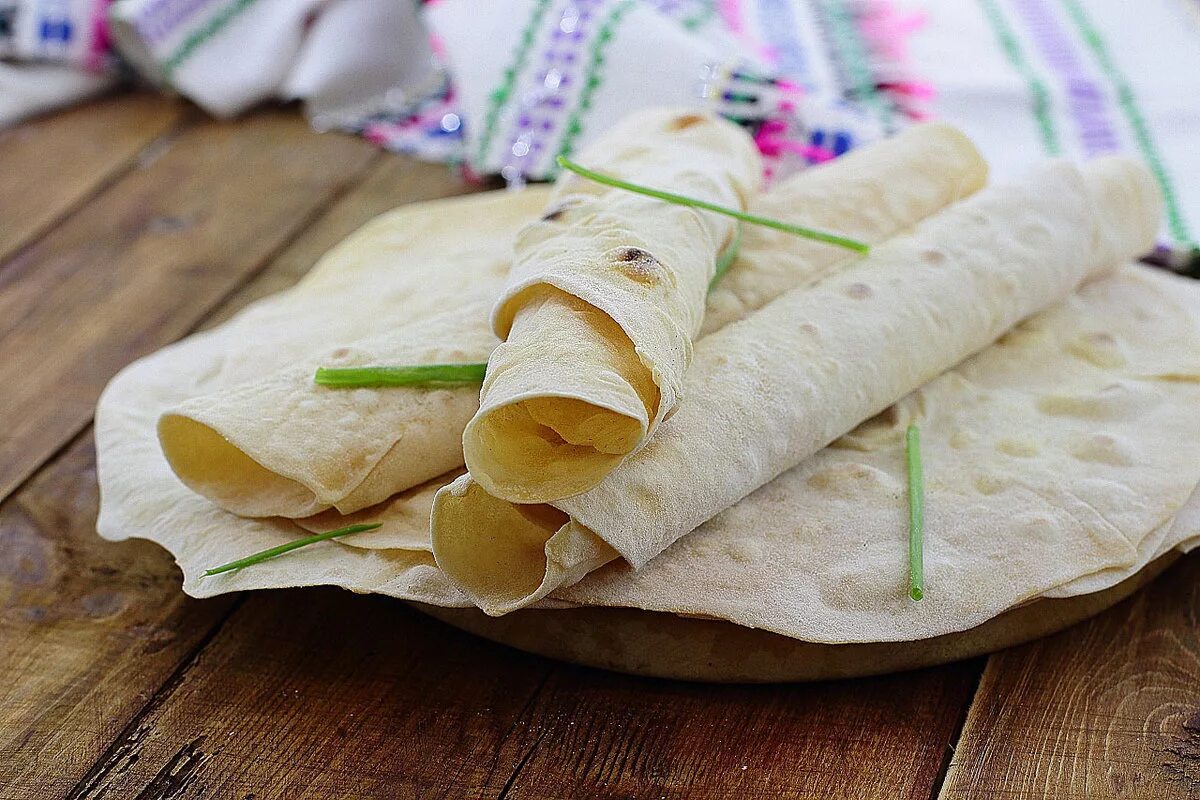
(377, 377)
(684, 200)
(726, 258)
(916, 514)
(371, 377)
(263, 555)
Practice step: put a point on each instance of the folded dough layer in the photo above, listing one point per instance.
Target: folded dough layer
(771, 390)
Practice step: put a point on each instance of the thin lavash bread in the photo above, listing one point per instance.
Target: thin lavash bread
(606, 294)
(276, 444)
(1136, 331)
(771, 390)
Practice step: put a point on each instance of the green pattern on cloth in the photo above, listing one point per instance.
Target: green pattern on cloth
(707, 11)
(1038, 93)
(1137, 121)
(502, 93)
(201, 35)
(594, 73)
(855, 55)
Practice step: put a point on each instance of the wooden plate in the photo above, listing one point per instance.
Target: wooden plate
(669, 646)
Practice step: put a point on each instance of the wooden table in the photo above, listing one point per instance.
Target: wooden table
(131, 222)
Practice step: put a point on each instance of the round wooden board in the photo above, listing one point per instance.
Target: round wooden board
(669, 646)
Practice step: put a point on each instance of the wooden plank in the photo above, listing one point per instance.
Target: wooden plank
(394, 181)
(146, 260)
(592, 735)
(320, 693)
(1107, 709)
(89, 630)
(53, 164)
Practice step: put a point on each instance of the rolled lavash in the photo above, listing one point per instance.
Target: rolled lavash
(606, 293)
(265, 440)
(279, 445)
(1048, 455)
(768, 392)
(334, 460)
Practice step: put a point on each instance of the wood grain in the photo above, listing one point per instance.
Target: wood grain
(53, 164)
(323, 693)
(90, 630)
(1108, 709)
(392, 182)
(147, 259)
(598, 735)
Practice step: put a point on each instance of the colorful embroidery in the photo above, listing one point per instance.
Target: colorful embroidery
(851, 59)
(502, 93)
(779, 25)
(1038, 93)
(157, 21)
(1129, 106)
(539, 111)
(691, 14)
(1085, 99)
(593, 78)
(97, 57)
(202, 34)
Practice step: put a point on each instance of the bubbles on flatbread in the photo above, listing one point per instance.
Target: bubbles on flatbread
(989, 484)
(1121, 400)
(858, 291)
(1018, 446)
(1099, 348)
(1103, 449)
(638, 264)
(851, 479)
(961, 439)
(746, 551)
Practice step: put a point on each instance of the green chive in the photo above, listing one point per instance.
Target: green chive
(375, 377)
(293, 545)
(726, 257)
(916, 514)
(679, 199)
(360, 377)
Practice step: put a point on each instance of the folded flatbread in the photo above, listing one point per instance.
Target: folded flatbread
(768, 392)
(268, 441)
(278, 444)
(1058, 462)
(606, 293)
(802, 556)
(1082, 414)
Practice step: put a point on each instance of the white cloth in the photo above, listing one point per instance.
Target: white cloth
(56, 52)
(506, 85)
(346, 58)
(1031, 78)
(29, 89)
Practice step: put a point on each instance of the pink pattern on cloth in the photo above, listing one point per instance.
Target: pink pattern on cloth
(97, 58)
(730, 12)
(773, 142)
(886, 30)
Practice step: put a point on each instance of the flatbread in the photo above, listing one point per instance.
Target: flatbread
(770, 391)
(606, 293)
(692, 649)
(871, 194)
(260, 438)
(1049, 459)
(256, 435)
(1150, 316)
